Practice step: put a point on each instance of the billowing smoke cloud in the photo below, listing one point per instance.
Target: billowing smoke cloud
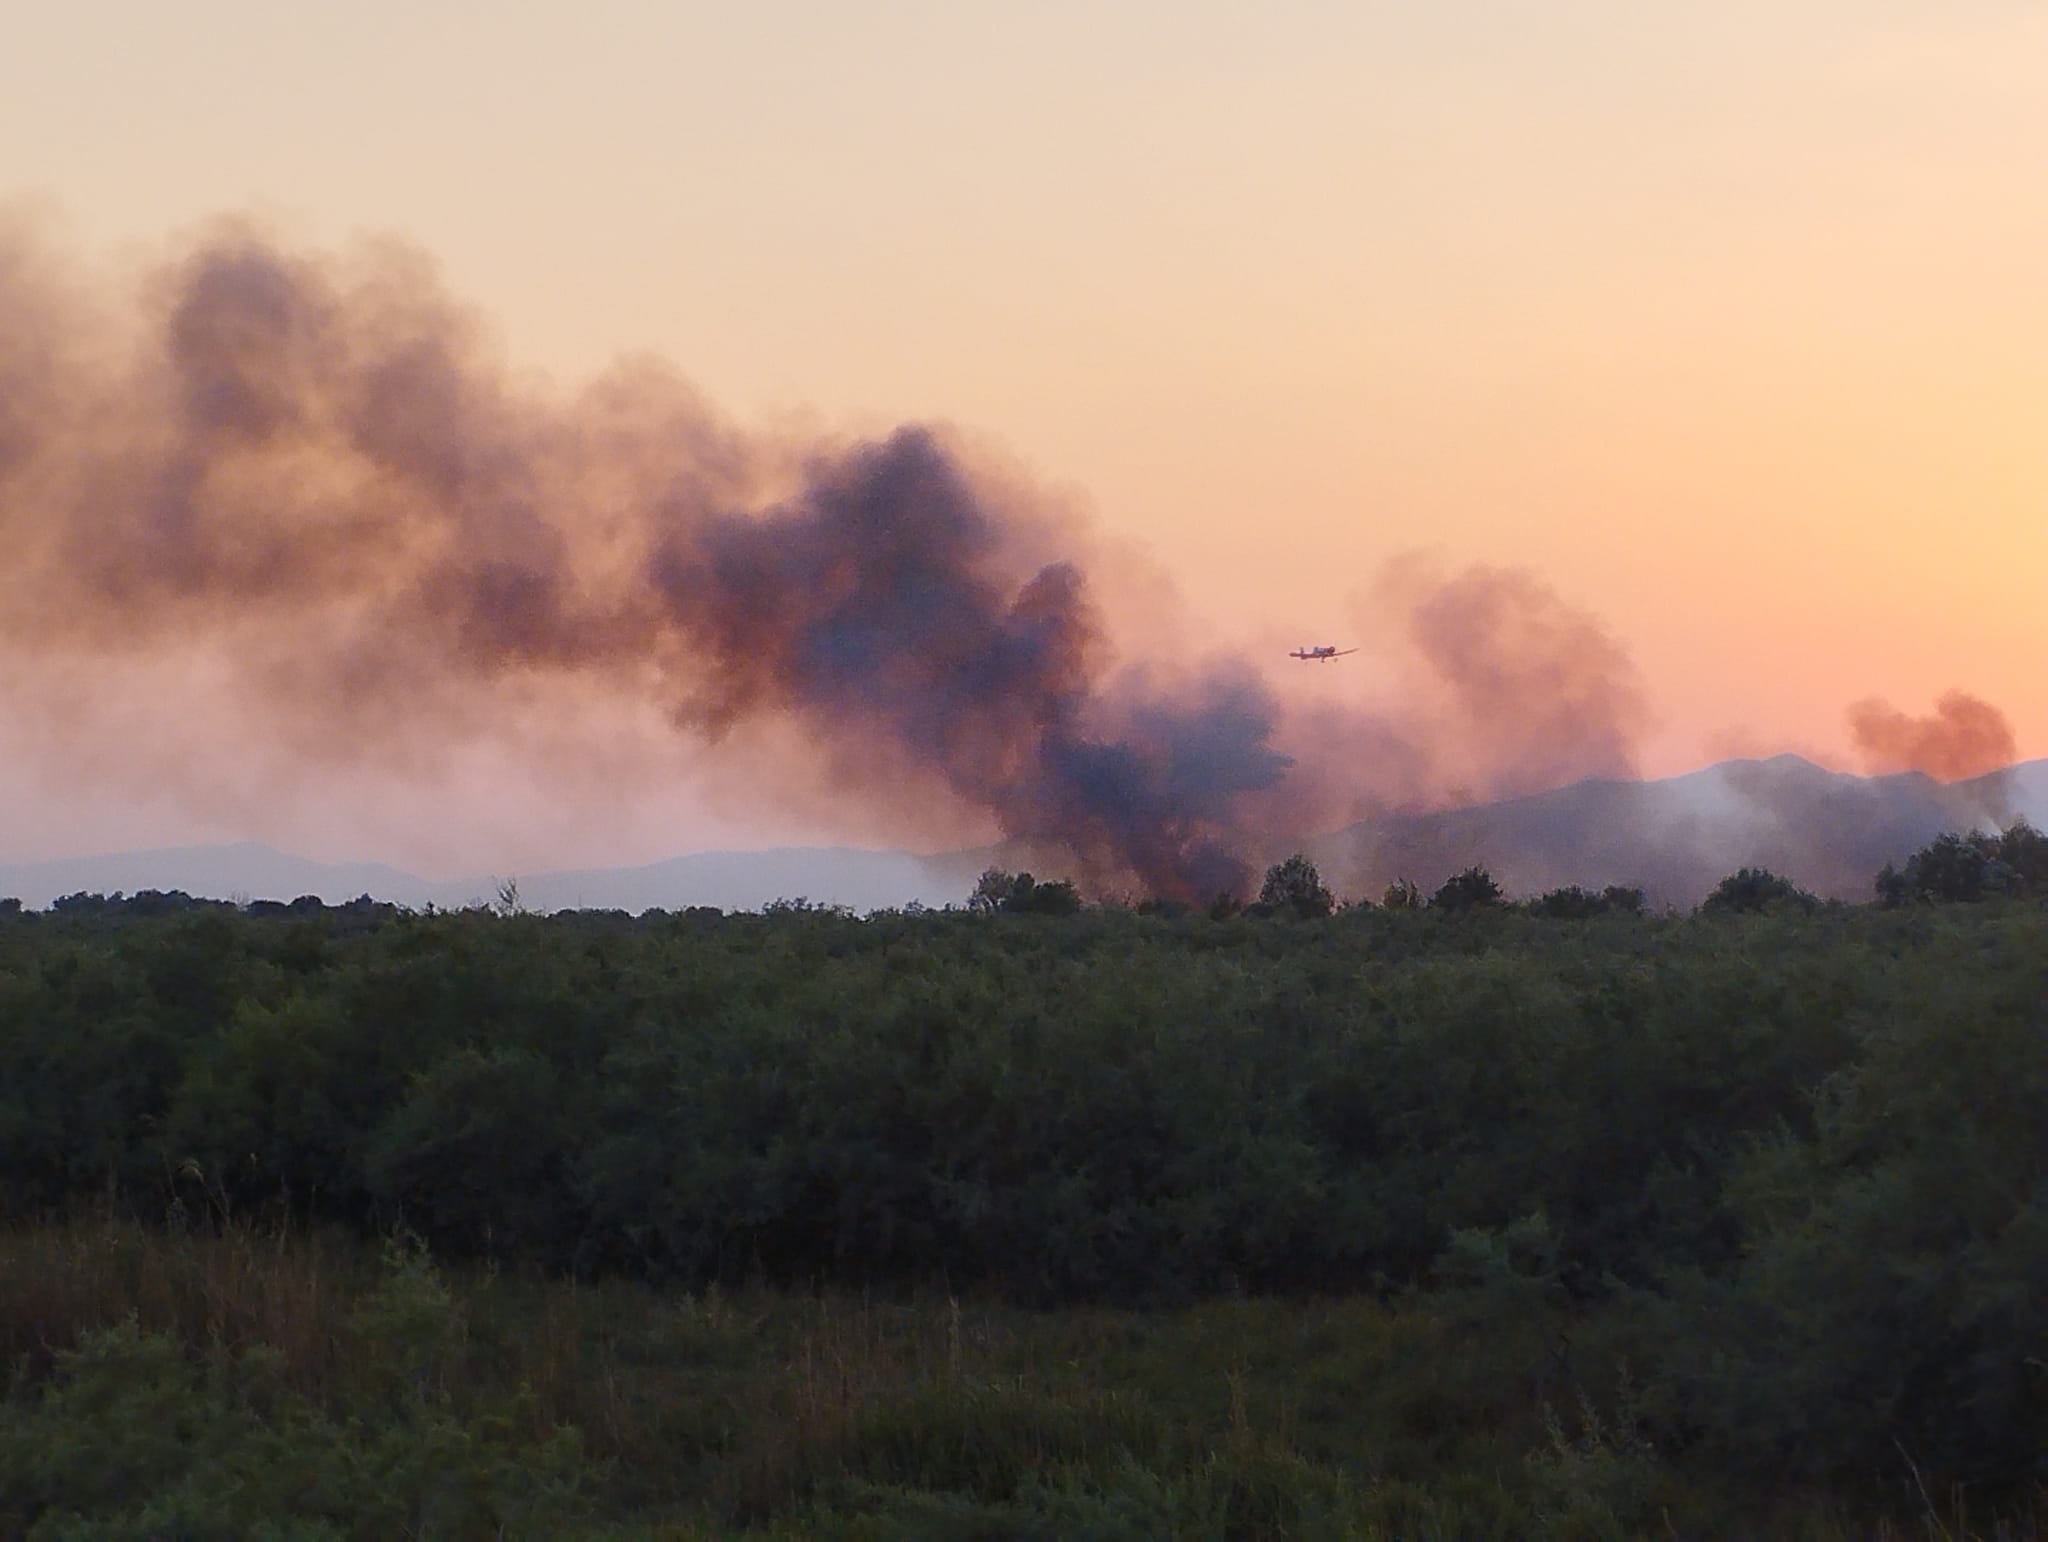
(1549, 694)
(313, 464)
(310, 475)
(1963, 737)
(879, 599)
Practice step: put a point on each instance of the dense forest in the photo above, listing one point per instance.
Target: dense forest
(1436, 1216)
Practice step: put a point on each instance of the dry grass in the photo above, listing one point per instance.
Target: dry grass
(233, 1288)
(754, 1408)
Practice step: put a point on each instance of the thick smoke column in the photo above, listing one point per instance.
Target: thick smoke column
(880, 597)
(308, 479)
(1964, 737)
(310, 464)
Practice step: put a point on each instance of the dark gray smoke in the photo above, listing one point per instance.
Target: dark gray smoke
(880, 597)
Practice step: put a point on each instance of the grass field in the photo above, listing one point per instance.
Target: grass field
(217, 1385)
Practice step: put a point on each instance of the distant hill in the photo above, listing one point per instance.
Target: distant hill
(1676, 838)
(243, 870)
(730, 880)
(748, 880)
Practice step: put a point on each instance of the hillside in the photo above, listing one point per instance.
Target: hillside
(730, 880)
(1675, 838)
(1828, 831)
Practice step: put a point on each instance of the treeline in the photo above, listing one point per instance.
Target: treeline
(1794, 1160)
(1965, 868)
(1955, 867)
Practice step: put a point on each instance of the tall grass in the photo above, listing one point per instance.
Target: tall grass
(234, 1287)
(778, 1412)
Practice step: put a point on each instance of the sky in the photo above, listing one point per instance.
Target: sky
(1728, 322)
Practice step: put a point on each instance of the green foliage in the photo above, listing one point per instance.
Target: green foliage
(466, 1403)
(1891, 1299)
(1295, 888)
(1786, 1163)
(1967, 868)
(477, 1154)
(1469, 890)
(1601, 1477)
(1021, 894)
(1751, 889)
(989, 1440)
(1572, 903)
(136, 1436)
(1403, 894)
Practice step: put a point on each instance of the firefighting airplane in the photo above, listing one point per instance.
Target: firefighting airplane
(1321, 655)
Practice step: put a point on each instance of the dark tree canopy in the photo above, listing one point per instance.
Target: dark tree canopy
(1572, 903)
(1968, 868)
(1294, 886)
(1022, 894)
(1403, 894)
(1750, 889)
(1792, 1173)
(1467, 890)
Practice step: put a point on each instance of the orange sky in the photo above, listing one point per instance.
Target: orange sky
(1729, 321)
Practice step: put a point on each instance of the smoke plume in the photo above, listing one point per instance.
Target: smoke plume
(310, 474)
(1540, 685)
(1963, 737)
(313, 465)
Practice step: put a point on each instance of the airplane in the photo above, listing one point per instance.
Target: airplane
(1321, 655)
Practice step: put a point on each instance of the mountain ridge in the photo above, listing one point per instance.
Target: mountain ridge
(1829, 831)
(1675, 837)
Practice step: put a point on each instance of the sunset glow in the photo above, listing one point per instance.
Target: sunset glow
(1727, 325)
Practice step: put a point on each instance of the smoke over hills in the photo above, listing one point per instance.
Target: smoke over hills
(1676, 838)
(1828, 831)
(1963, 737)
(310, 470)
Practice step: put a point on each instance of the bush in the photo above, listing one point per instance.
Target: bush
(1022, 894)
(1573, 903)
(1966, 868)
(1805, 1152)
(1295, 888)
(1469, 890)
(1752, 889)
